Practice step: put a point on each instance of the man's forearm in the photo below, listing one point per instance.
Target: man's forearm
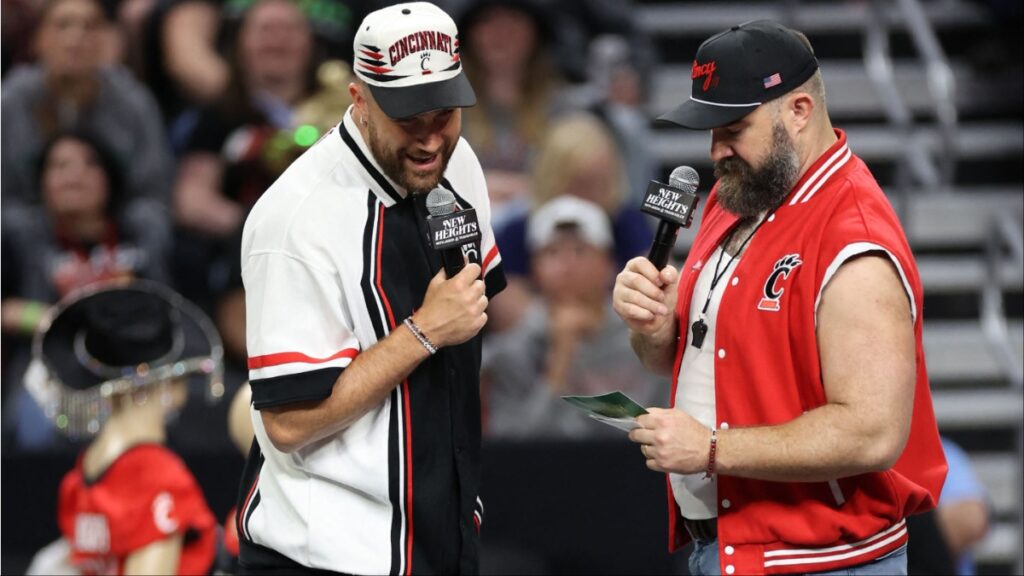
(867, 350)
(362, 385)
(829, 442)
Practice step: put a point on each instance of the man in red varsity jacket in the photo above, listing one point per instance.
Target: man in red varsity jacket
(801, 434)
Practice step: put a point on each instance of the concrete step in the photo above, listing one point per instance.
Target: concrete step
(981, 409)
(852, 96)
(960, 218)
(703, 18)
(957, 351)
(873, 143)
(941, 274)
(1001, 475)
(1001, 545)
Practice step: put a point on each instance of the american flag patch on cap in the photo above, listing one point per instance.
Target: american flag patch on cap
(773, 80)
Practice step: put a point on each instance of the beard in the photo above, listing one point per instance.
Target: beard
(747, 191)
(392, 162)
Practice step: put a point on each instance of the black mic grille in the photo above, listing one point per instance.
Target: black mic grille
(685, 179)
(440, 202)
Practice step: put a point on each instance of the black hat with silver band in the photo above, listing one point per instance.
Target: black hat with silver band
(113, 338)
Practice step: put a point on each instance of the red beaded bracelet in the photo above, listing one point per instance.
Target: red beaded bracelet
(710, 472)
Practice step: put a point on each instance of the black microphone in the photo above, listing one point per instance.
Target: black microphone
(673, 204)
(454, 233)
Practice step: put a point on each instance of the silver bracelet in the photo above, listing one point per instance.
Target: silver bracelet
(420, 335)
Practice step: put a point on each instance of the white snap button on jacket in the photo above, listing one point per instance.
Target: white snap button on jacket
(729, 550)
(724, 426)
(735, 280)
(730, 569)
(721, 352)
(726, 503)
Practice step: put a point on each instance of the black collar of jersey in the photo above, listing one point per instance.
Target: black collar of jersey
(389, 193)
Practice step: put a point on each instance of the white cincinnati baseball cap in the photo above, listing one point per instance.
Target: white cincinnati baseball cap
(408, 54)
(585, 217)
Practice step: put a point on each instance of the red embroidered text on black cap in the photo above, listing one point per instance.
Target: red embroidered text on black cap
(737, 70)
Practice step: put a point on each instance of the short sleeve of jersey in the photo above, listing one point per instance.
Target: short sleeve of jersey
(145, 496)
(493, 271)
(298, 334)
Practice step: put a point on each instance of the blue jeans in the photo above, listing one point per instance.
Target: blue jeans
(704, 562)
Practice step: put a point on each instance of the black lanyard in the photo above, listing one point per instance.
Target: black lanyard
(700, 328)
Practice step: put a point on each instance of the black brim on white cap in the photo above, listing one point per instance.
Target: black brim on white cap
(409, 101)
(698, 115)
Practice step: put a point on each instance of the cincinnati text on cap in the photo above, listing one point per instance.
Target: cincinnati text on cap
(417, 42)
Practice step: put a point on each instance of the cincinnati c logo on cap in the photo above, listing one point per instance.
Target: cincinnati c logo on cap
(773, 289)
(705, 69)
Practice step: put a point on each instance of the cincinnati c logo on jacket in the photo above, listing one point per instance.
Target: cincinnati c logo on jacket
(773, 289)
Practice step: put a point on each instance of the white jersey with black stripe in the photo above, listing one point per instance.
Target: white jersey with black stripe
(315, 298)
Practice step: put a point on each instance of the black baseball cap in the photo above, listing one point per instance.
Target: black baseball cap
(737, 70)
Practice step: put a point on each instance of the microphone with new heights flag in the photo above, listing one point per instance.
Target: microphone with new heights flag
(454, 233)
(673, 204)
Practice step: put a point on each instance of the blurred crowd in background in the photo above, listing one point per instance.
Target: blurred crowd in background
(137, 134)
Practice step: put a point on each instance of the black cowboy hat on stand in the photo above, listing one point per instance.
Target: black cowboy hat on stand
(113, 338)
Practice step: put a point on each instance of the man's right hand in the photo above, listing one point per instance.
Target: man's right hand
(645, 297)
(452, 312)
(454, 309)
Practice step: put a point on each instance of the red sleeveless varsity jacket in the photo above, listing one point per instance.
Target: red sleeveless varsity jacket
(767, 372)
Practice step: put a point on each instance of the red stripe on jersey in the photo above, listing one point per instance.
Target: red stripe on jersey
(239, 518)
(408, 473)
(279, 358)
(380, 249)
(405, 395)
(490, 256)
